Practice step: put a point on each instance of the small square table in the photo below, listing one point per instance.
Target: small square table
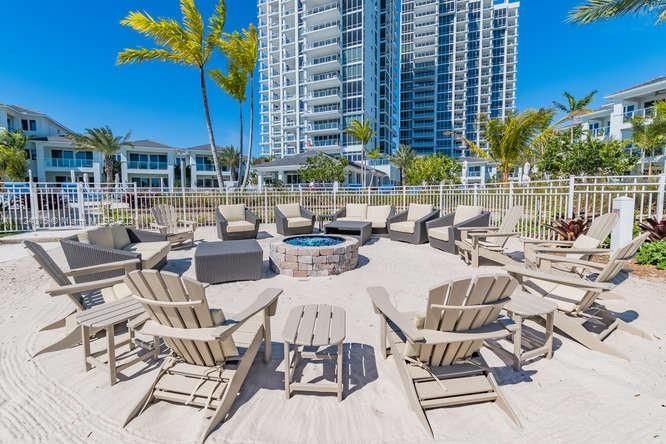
(360, 229)
(226, 261)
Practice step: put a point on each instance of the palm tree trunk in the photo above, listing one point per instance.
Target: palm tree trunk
(108, 168)
(209, 127)
(240, 160)
(363, 165)
(402, 181)
(249, 148)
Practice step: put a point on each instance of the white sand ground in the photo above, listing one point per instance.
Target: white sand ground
(579, 396)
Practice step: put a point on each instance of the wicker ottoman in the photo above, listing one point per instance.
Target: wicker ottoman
(238, 260)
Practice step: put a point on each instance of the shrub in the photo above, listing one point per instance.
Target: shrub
(570, 229)
(657, 229)
(653, 253)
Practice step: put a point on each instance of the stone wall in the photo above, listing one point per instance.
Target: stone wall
(314, 261)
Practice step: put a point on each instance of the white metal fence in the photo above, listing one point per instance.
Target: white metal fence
(40, 206)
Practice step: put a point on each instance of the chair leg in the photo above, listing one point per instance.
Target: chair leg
(501, 401)
(410, 391)
(145, 400)
(572, 328)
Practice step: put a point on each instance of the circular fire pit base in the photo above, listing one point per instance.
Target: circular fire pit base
(300, 261)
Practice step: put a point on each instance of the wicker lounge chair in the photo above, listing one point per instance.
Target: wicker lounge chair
(575, 296)
(489, 242)
(444, 231)
(83, 295)
(177, 231)
(410, 225)
(438, 354)
(292, 219)
(114, 243)
(377, 215)
(236, 222)
(205, 369)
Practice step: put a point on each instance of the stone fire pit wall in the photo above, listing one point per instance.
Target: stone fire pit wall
(314, 261)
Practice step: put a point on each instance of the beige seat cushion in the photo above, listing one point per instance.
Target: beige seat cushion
(440, 233)
(102, 237)
(151, 253)
(417, 211)
(233, 213)
(356, 211)
(403, 227)
(120, 237)
(378, 215)
(295, 222)
(115, 293)
(350, 219)
(239, 226)
(290, 210)
(466, 212)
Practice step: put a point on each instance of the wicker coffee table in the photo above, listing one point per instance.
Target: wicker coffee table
(361, 230)
(226, 261)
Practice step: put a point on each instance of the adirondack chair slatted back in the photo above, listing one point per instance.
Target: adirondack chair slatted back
(618, 260)
(156, 290)
(463, 305)
(166, 215)
(508, 225)
(601, 226)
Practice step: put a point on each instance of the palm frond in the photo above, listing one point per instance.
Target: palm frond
(595, 10)
(140, 55)
(233, 83)
(165, 32)
(216, 23)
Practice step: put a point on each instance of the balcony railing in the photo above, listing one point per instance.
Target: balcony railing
(319, 26)
(146, 165)
(205, 167)
(69, 163)
(322, 8)
(641, 112)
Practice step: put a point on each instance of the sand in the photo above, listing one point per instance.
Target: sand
(578, 396)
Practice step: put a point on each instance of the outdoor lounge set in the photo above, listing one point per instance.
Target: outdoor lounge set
(117, 283)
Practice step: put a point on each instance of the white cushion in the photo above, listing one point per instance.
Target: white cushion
(233, 213)
(403, 227)
(295, 222)
(349, 219)
(378, 215)
(239, 226)
(115, 293)
(120, 237)
(102, 237)
(290, 210)
(466, 212)
(440, 233)
(417, 211)
(151, 252)
(356, 211)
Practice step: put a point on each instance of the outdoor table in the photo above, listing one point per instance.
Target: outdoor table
(313, 326)
(362, 230)
(321, 218)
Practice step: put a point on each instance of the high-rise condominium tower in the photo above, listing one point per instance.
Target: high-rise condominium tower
(458, 61)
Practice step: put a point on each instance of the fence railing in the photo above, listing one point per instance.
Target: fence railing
(44, 206)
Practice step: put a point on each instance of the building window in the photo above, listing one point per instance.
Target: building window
(28, 125)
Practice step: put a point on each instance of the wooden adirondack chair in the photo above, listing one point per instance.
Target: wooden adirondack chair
(489, 242)
(83, 295)
(206, 369)
(575, 296)
(176, 231)
(438, 359)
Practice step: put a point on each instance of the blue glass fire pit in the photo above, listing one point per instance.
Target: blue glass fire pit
(314, 241)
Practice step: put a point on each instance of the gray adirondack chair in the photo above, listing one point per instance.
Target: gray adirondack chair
(489, 242)
(205, 368)
(437, 356)
(177, 231)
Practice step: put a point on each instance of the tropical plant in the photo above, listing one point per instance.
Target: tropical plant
(594, 10)
(101, 140)
(432, 170)
(656, 228)
(323, 168)
(374, 154)
(570, 229)
(363, 132)
(574, 107)
(509, 139)
(230, 157)
(189, 43)
(650, 134)
(13, 161)
(403, 159)
(653, 253)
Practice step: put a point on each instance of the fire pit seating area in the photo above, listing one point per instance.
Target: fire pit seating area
(236, 222)
(314, 255)
(410, 225)
(377, 215)
(114, 243)
(292, 219)
(444, 231)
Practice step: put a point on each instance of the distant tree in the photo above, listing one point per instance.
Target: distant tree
(13, 160)
(230, 157)
(650, 134)
(374, 154)
(262, 159)
(403, 159)
(432, 170)
(101, 140)
(323, 168)
(363, 132)
(595, 10)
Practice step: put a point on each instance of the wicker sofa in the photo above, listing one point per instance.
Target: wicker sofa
(410, 225)
(292, 219)
(236, 222)
(377, 215)
(113, 243)
(444, 231)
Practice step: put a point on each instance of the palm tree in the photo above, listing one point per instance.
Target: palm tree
(101, 140)
(594, 10)
(509, 138)
(243, 51)
(403, 158)
(363, 132)
(650, 135)
(231, 158)
(374, 154)
(574, 107)
(190, 43)
(13, 161)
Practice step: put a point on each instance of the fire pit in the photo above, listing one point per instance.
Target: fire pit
(314, 255)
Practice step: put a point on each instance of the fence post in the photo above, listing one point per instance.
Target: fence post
(660, 196)
(570, 200)
(476, 194)
(265, 205)
(34, 205)
(226, 195)
(510, 195)
(136, 205)
(368, 196)
(623, 229)
(404, 196)
(300, 194)
(81, 204)
(441, 197)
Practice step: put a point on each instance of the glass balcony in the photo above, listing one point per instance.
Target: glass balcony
(146, 165)
(69, 163)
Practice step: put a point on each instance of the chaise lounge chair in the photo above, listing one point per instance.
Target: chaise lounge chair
(236, 222)
(444, 231)
(205, 369)
(177, 231)
(438, 355)
(489, 242)
(410, 225)
(575, 296)
(292, 219)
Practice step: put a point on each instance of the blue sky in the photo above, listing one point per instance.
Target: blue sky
(59, 58)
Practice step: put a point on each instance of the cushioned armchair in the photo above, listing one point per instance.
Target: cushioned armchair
(410, 225)
(114, 243)
(377, 215)
(444, 231)
(236, 222)
(292, 219)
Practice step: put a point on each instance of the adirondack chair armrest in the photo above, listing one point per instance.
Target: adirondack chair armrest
(382, 305)
(127, 265)
(478, 229)
(567, 260)
(267, 300)
(563, 243)
(519, 273)
(496, 330)
(581, 251)
(85, 286)
(496, 234)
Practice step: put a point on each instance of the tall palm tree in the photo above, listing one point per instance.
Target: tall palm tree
(363, 132)
(13, 161)
(231, 158)
(403, 158)
(374, 154)
(595, 10)
(648, 135)
(190, 43)
(574, 107)
(243, 50)
(509, 138)
(101, 140)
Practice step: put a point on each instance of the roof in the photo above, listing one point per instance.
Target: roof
(300, 159)
(149, 143)
(654, 81)
(28, 112)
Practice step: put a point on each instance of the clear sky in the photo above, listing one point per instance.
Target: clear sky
(59, 58)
